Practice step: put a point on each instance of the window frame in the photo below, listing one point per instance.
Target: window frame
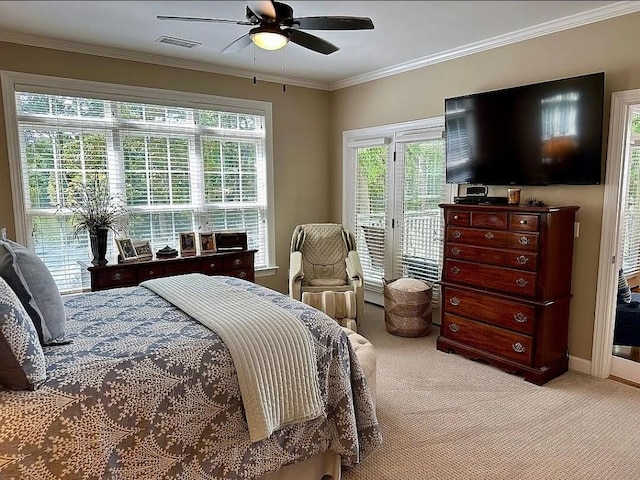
(17, 81)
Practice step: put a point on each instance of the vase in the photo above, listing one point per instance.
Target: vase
(98, 240)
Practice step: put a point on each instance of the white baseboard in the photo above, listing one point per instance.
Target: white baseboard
(580, 365)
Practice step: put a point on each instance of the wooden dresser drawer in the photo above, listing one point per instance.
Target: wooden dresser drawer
(494, 221)
(247, 274)
(212, 265)
(176, 268)
(524, 222)
(498, 341)
(493, 238)
(486, 308)
(152, 271)
(458, 217)
(506, 258)
(117, 277)
(238, 262)
(490, 277)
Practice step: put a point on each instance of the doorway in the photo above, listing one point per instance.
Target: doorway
(617, 212)
(393, 182)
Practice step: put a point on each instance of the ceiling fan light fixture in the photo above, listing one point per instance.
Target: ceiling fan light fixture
(269, 38)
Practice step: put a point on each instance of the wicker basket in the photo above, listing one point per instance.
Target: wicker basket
(407, 314)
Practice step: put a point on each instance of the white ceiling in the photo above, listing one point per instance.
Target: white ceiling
(407, 34)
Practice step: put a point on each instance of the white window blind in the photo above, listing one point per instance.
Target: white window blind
(370, 209)
(631, 233)
(179, 169)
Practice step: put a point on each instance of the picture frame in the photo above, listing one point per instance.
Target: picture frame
(127, 250)
(143, 249)
(207, 243)
(187, 244)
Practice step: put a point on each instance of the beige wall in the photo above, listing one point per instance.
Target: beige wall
(300, 125)
(308, 126)
(611, 46)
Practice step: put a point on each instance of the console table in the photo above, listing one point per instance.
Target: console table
(233, 263)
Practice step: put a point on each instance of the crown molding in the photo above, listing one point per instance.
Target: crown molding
(135, 56)
(579, 19)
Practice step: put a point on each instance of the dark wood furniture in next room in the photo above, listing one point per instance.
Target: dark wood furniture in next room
(506, 286)
(233, 263)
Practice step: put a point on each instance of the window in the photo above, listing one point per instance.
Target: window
(181, 162)
(394, 181)
(631, 231)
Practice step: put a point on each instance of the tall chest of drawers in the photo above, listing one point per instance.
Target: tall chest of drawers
(506, 286)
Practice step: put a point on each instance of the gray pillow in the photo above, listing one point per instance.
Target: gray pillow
(32, 282)
(22, 363)
(624, 292)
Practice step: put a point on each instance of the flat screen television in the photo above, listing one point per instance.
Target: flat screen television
(542, 134)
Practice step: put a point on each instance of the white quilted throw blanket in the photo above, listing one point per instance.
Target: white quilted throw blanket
(271, 349)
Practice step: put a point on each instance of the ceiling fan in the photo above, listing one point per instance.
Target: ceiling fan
(274, 26)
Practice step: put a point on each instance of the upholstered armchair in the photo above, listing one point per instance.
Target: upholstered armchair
(323, 258)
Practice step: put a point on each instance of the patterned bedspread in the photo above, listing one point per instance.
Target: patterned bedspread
(145, 392)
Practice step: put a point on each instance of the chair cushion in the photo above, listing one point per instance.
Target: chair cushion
(32, 282)
(22, 363)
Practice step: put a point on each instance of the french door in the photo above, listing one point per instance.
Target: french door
(394, 181)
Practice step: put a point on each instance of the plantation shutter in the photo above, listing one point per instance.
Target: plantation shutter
(419, 188)
(631, 232)
(179, 169)
(369, 206)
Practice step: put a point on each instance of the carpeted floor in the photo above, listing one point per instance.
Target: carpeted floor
(446, 417)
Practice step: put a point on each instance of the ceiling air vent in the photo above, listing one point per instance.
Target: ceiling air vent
(178, 42)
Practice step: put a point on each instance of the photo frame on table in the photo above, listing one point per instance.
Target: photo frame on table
(143, 249)
(207, 243)
(127, 250)
(187, 244)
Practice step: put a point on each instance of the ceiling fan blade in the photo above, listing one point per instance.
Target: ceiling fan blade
(264, 10)
(311, 42)
(334, 23)
(238, 44)
(200, 19)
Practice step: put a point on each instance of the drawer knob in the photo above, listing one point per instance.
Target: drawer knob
(456, 217)
(518, 347)
(453, 327)
(521, 282)
(117, 276)
(455, 270)
(151, 272)
(455, 301)
(522, 260)
(488, 235)
(242, 275)
(237, 261)
(523, 241)
(523, 222)
(493, 219)
(520, 317)
(212, 265)
(455, 251)
(457, 233)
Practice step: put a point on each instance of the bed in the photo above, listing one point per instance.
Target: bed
(146, 392)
